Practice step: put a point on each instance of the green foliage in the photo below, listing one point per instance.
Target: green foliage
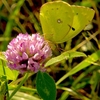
(23, 96)
(75, 65)
(45, 86)
(65, 55)
(85, 63)
(11, 21)
(3, 89)
(11, 74)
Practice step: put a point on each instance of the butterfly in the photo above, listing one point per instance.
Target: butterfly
(61, 21)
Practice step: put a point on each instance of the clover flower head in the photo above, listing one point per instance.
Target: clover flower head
(27, 52)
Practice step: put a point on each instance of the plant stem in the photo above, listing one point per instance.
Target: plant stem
(23, 88)
(18, 87)
(6, 83)
(10, 24)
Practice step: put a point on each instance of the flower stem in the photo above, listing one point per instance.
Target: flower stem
(6, 83)
(18, 87)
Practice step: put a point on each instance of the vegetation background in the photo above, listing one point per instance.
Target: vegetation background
(21, 16)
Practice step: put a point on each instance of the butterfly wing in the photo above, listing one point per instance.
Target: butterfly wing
(82, 17)
(56, 19)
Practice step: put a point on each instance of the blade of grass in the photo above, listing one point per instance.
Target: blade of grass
(88, 61)
(10, 23)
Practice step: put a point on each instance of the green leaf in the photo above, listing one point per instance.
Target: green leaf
(85, 63)
(23, 96)
(2, 57)
(2, 87)
(11, 74)
(66, 55)
(45, 86)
